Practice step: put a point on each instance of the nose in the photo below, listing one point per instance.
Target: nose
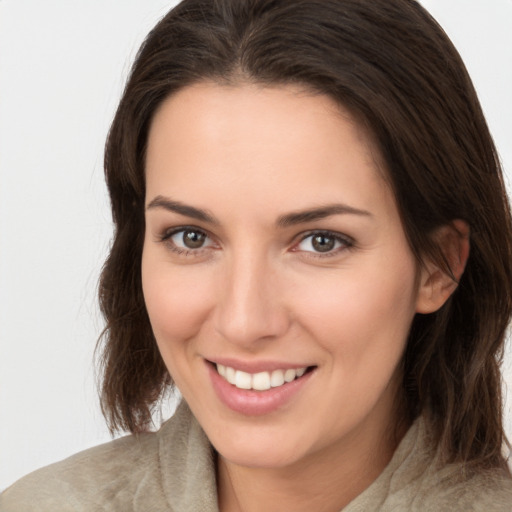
(251, 308)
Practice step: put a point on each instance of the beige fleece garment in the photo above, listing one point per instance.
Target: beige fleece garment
(173, 470)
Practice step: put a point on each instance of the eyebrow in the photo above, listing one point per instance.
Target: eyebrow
(319, 213)
(182, 209)
(284, 221)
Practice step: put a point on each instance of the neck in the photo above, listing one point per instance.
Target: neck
(324, 481)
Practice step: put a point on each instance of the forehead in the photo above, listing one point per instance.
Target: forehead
(209, 137)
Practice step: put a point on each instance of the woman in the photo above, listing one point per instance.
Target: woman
(313, 243)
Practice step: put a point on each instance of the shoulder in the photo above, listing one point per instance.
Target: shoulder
(483, 491)
(455, 487)
(124, 474)
(171, 469)
(87, 479)
(438, 489)
(416, 481)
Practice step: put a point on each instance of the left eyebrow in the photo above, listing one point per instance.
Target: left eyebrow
(322, 212)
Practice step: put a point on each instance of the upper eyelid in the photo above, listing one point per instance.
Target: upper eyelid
(168, 232)
(334, 234)
(301, 235)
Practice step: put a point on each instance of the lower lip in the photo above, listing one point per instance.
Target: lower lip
(255, 403)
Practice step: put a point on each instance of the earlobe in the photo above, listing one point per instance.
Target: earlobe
(436, 284)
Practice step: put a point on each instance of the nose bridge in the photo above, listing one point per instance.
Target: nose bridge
(250, 306)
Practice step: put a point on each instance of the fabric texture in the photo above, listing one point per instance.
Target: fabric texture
(173, 470)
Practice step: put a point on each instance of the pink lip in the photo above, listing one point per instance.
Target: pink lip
(255, 403)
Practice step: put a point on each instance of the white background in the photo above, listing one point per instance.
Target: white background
(62, 67)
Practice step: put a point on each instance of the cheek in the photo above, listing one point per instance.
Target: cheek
(363, 314)
(177, 300)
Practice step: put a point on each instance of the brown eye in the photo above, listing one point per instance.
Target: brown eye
(323, 243)
(188, 239)
(193, 239)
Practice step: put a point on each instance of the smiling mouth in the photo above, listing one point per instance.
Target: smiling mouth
(261, 381)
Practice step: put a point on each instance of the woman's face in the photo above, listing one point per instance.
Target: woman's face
(273, 246)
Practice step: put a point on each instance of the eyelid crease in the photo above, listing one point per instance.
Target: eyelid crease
(168, 233)
(333, 234)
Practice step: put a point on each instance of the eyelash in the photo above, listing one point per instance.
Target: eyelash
(166, 237)
(345, 242)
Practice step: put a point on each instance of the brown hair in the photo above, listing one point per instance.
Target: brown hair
(394, 68)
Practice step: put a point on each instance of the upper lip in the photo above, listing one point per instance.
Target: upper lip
(257, 366)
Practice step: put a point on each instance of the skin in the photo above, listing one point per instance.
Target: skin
(258, 290)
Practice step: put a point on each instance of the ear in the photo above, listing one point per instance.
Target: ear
(435, 285)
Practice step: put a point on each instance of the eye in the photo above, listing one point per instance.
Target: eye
(323, 242)
(187, 239)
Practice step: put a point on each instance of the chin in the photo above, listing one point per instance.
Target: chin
(267, 457)
(259, 447)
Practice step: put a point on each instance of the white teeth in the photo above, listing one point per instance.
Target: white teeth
(277, 378)
(289, 375)
(301, 372)
(243, 380)
(230, 375)
(261, 381)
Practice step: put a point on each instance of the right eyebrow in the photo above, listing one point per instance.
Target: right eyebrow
(182, 209)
